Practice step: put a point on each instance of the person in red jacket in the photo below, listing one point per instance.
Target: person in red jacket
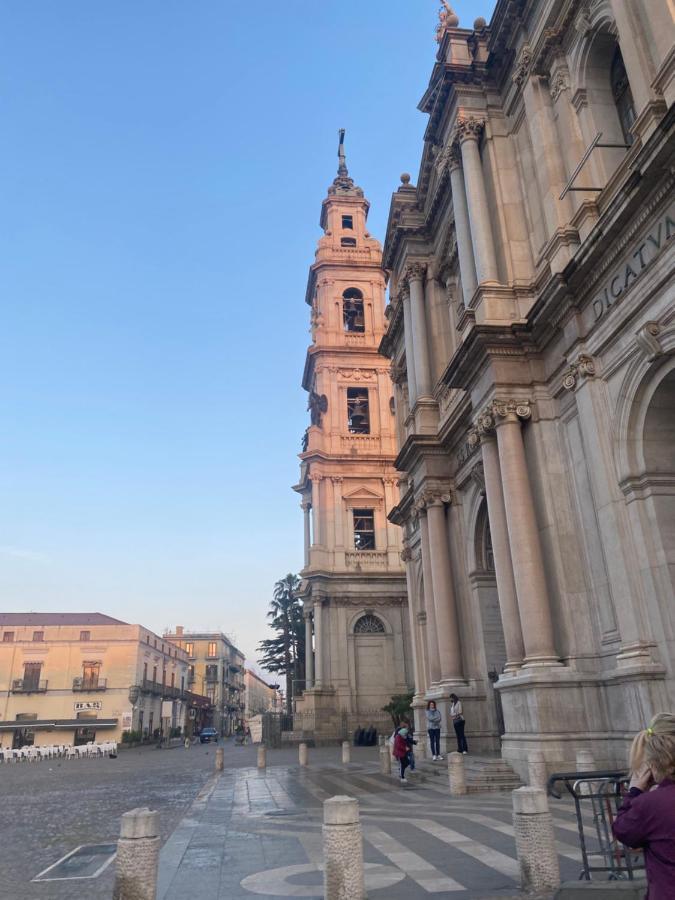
(401, 750)
(647, 816)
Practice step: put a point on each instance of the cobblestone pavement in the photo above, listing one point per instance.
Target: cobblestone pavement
(252, 835)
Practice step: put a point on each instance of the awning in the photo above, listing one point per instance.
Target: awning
(55, 724)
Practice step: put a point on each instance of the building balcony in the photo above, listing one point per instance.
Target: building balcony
(28, 686)
(160, 690)
(90, 684)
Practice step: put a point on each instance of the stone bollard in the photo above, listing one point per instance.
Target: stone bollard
(262, 757)
(585, 763)
(456, 774)
(303, 754)
(342, 850)
(536, 769)
(137, 856)
(346, 752)
(381, 740)
(220, 759)
(385, 761)
(535, 840)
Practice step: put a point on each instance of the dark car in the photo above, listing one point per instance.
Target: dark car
(208, 734)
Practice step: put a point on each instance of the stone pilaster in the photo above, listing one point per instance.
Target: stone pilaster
(469, 132)
(404, 293)
(309, 653)
(467, 264)
(415, 273)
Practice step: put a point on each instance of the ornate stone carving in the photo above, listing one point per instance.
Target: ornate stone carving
(398, 374)
(404, 291)
(647, 339)
(510, 409)
(406, 554)
(583, 366)
(469, 129)
(447, 18)
(317, 406)
(415, 271)
(522, 66)
(358, 374)
(478, 475)
(449, 158)
(434, 497)
(559, 82)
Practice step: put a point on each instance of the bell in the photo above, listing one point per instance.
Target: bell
(359, 414)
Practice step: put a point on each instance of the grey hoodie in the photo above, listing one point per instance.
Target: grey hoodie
(433, 718)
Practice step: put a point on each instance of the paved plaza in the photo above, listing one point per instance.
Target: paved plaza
(250, 834)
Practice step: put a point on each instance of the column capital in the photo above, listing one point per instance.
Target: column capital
(510, 410)
(306, 505)
(336, 479)
(469, 129)
(415, 271)
(398, 374)
(449, 158)
(316, 478)
(307, 613)
(407, 555)
(583, 366)
(434, 498)
(404, 291)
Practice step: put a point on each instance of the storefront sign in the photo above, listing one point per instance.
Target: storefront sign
(84, 705)
(639, 258)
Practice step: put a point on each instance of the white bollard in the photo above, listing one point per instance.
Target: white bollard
(585, 763)
(536, 769)
(342, 850)
(535, 840)
(220, 759)
(456, 774)
(262, 757)
(381, 740)
(346, 752)
(137, 856)
(385, 761)
(303, 754)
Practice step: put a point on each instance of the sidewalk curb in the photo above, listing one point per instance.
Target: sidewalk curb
(171, 854)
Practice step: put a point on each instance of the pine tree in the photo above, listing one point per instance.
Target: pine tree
(285, 653)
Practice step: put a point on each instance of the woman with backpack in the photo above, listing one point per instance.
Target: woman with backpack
(402, 751)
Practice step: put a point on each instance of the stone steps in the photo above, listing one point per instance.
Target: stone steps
(482, 773)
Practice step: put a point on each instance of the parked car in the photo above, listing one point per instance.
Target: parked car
(208, 734)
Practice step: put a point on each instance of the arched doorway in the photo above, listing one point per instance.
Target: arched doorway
(373, 662)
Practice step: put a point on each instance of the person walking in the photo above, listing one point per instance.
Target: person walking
(401, 751)
(457, 715)
(410, 741)
(434, 729)
(646, 817)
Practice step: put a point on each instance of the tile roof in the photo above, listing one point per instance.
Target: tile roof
(33, 618)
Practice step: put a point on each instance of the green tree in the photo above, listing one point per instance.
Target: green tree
(400, 707)
(285, 653)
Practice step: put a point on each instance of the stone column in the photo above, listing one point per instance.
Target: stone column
(409, 348)
(328, 524)
(309, 653)
(220, 759)
(316, 507)
(342, 850)
(306, 507)
(535, 840)
(303, 754)
(318, 646)
(137, 858)
(415, 275)
(385, 760)
(262, 757)
(506, 585)
(429, 606)
(445, 608)
(469, 132)
(418, 674)
(346, 752)
(526, 552)
(467, 264)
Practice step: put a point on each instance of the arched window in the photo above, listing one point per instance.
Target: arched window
(485, 560)
(623, 96)
(369, 624)
(352, 310)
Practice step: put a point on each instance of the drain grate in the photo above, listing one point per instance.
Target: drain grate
(86, 861)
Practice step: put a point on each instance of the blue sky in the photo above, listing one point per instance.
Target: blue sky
(163, 165)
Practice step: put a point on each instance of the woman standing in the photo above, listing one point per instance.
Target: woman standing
(647, 817)
(457, 714)
(434, 729)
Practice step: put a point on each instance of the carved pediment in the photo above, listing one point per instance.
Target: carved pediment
(362, 495)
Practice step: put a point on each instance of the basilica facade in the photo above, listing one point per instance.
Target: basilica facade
(531, 333)
(353, 580)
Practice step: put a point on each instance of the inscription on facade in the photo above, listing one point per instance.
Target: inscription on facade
(639, 258)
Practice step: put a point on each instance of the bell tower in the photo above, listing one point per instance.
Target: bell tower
(353, 586)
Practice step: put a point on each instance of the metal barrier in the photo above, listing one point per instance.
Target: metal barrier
(600, 793)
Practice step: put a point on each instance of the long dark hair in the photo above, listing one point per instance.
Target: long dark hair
(429, 704)
(454, 698)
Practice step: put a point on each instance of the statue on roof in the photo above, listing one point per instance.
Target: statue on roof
(447, 18)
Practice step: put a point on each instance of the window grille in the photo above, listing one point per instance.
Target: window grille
(369, 624)
(364, 529)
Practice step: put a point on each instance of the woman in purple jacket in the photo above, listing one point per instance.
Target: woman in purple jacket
(647, 817)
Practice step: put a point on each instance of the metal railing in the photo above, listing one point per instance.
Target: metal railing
(156, 687)
(90, 684)
(28, 686)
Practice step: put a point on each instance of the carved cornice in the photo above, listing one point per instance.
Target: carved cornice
(522, 67)
(582, 366)
(398, 374)
(559, 82)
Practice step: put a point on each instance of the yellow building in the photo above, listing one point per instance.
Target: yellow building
(260, 696)
(216, 670)
(75, 677)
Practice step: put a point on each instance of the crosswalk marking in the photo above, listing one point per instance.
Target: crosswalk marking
(563, 849)
(418, 869)
(486, 855)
